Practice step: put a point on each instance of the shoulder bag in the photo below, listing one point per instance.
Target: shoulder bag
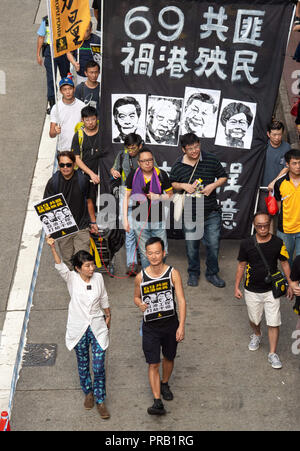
(178, 198)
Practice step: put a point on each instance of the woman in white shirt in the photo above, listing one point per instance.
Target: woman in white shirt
(87, 324)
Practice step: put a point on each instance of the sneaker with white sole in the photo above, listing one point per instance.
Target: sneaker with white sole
(275, 361)
(254, 342)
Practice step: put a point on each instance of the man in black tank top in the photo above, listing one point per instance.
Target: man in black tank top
(154, 294)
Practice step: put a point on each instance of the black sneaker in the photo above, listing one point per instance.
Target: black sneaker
(157, 408)
(166, 392)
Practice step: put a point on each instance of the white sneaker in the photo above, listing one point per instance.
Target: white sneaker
(254, 342)
(275, 361)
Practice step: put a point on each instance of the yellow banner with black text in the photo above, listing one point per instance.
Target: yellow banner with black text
(70, 19)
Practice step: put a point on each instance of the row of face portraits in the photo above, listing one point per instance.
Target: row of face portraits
(160, 120)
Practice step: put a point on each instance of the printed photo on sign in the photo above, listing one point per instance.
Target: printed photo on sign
(236, 120)
(56, 217)
(163, 120)
(159, 298)
(200, 112)
(96, 51)
(128, 115)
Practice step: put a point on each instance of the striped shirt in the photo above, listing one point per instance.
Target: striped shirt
(209, 169)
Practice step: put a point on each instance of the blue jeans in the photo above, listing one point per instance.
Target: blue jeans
(83, 360)
(211, 240)
(145, 231)
(292, 243)
(130, 239)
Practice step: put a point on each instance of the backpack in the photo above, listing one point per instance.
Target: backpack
(82, 180)
(79, 130)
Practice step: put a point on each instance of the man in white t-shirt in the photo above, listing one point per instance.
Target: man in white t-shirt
(65, 115)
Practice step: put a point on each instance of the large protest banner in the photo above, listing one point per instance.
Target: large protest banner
(209, 67)
(70, 19)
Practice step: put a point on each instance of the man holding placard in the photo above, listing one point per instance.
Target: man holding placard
(155, 289)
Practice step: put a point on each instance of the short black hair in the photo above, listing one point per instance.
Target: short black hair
(189, 139)
(133, 139)
(153, 240)
(275, 125)
(88, 111)
(91, 63)
(66, 153)
(260, 212)
(81, 257)
(144, 149)
(292, 153)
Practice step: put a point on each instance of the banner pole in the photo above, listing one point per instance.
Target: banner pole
(100, 92)
(52, 60)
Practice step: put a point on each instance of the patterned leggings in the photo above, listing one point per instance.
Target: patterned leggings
(83, 361)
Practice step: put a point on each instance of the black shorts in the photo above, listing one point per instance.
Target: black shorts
(163, 336)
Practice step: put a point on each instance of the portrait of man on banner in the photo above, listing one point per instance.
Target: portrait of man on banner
(200, 112)
(236, 120)
(163, 120)
(128, 116)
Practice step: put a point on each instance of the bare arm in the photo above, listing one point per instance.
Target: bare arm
(94, 177)
(188, 187)
(55, 130)
(137, 294)
(107, 316)
(51, 242)
(177, 282)
(281, 173)
(238, 278)
(287, 272)
(73, 61)
(91, 210)
(208, 189)
(40, 42)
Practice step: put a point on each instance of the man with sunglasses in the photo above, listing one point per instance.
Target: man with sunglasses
(79, 194)
(258, 290)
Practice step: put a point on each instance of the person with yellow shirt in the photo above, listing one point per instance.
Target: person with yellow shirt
(287, 194)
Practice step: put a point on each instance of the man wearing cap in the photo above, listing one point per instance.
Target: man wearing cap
(65, 115)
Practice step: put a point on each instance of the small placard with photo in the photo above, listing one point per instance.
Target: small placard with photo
(56, 217)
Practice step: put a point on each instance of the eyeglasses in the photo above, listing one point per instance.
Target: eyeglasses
(64, 165)
(146, 161)
(262, 226)
(193, 147)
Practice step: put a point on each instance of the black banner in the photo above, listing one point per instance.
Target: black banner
(209, 67)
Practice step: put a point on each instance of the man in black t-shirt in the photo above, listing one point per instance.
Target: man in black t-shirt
(79, 194)
(85, 144)
(148, 187)
(258, 290)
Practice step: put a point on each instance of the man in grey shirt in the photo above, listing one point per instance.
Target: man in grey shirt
(275, 166)
(89, 91)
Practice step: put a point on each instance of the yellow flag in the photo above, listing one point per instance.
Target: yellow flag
(70, 19)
